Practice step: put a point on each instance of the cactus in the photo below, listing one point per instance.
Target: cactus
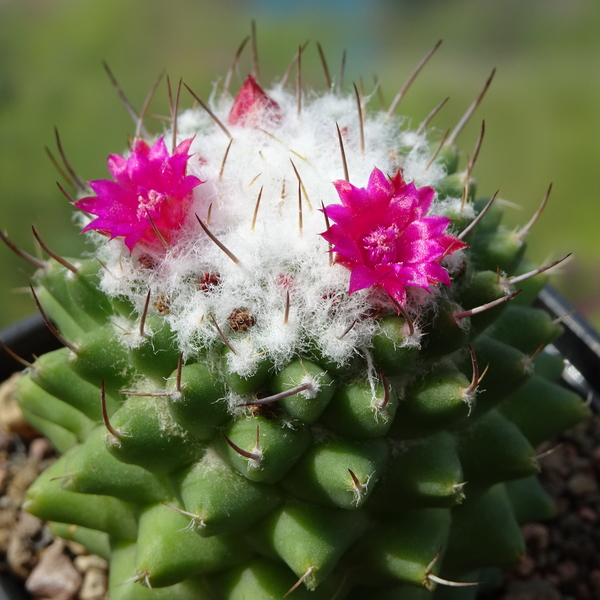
(272, 381)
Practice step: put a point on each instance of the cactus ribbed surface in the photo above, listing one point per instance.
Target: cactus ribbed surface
(273, 379)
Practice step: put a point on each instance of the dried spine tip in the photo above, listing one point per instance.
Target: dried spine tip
(145, 394)
(358, 488)
(536, 215)
(68, 196)
(549, 451)
(254, 179)
(38, 264)
(116, 434)
(307, 573)
(348, 329)
(210, 112)
(286, 314)
(231, 255)
(468, 392)
(225, 159)
(196, 520)
(464, 120)
(58, 167)
(437, 151)
(344, 162)
(531, 358)
(519, 278)
(14, 355)
(294, 61)
(255, 214)
(360, 120)
(221, 335)
(430, 580)
(301, 182)
(435, 579)
(139, 129)
(51, 327)
(128, 106)
(325, 67)
(562, 318)
(249, 455)
(378, 90)
(402, 311)
(300, 207)
(410, 80)
(430, 116)
(475, 152)
(145, 577)
(434, 561)
(356, 484)
(471, 165)
(158, 234)
(145, 314)
(174, 106)
(386, 392)
(79, 183)
(236, 59)
(475, 221)
(327, 226)
(270, 399)
(65, 263)
(179, 370)
(479, 309)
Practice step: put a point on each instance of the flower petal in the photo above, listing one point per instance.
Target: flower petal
(361, 277)
(149, 181)
(385, 236)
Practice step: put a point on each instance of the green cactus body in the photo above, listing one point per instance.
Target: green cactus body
(248, 408)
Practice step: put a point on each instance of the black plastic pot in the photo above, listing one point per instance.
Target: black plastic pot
(12, 590)
(579, 344)
(28, 337)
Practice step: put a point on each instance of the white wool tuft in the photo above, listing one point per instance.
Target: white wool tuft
(276, 258)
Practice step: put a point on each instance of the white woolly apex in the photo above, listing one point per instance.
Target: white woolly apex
(282, 296)
(112, 441)
(313, 386)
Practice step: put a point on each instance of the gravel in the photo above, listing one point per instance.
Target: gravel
(563, 555)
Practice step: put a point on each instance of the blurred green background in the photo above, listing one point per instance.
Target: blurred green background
(542, 112)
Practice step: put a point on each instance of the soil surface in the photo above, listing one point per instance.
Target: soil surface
(563, 555)
(30, 557)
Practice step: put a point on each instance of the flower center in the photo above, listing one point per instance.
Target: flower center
(148, 203)
(381, 244)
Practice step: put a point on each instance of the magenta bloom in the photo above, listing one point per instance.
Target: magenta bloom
(149, 186)
(385, 237)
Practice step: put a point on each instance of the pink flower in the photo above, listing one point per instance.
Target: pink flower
(252, 106)
(384, 236)
(149, 186)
